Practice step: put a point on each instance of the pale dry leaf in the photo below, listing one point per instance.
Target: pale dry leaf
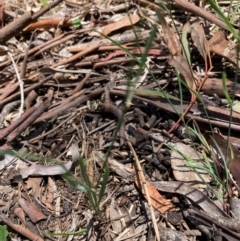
(47, 197)
(236, 107)
(218, 44)
(44, 170)
(171, 39)
(181, 64)
(9, 161)
(115, 217)
(74, 151)
(124, 22)
(30, 209)
(34, 184)
(127, 222)
(186, 174)
(200, 41)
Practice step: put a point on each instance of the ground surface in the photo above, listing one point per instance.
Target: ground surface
(91, 145)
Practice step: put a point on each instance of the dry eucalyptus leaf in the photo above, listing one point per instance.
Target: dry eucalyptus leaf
(115, 216)
(218, 44)
(214, 86)
(181, 64)
(159, 202)
(124, 22)
(173, 43)
(33, 213)
(200, 41)
(44, 170)
(34, 183)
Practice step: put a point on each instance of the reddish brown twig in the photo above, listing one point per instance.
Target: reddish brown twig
(38, 110)
(28, 89)
(193, 99)
(140, 50)
(16, 123)
(20, 229)
(19, 24)
(49, 23)
(74, 103)
(81, 84)
(192, 8)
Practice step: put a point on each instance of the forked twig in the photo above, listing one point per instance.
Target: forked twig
(193, 99)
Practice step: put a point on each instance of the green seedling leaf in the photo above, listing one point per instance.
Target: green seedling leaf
(185, 42)
(222, 16)
(44, 2)
(157, 93)
(225, 91)
(104, 182)
(76, 23)
(84, 230)
(3, 233)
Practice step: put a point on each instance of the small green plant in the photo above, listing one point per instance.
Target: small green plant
(76, 23)
(44, 2)
(94, 192)
(84, 230)
(3, 233)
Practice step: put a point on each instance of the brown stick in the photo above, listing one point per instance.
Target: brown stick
(20, 229)
(16, 123)
(14, 27)
(108, 106)
(78, 55)
(20, 23)
(214, 111)
(32, 87)
(81, 84)
(39, 108)
(192, 8)
(78, 101)
(33, 50)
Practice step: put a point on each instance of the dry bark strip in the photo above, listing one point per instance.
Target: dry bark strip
(19, 24)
